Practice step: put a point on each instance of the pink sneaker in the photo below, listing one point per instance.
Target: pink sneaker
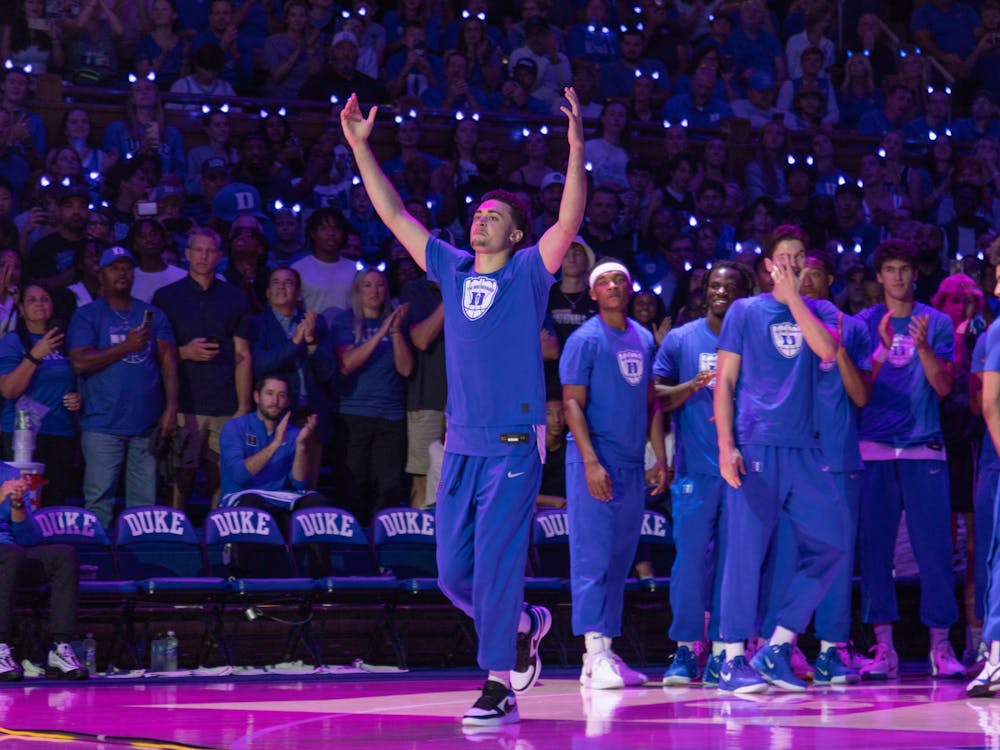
(884, 664)
(944, 662)
(800, 664)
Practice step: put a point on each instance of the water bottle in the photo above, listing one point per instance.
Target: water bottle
(170, 652)
(156, 654)
(90, 653)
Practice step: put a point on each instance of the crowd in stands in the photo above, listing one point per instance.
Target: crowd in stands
(263, 254)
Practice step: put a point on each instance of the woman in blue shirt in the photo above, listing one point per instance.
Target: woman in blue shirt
(33, 362)
(370, 426)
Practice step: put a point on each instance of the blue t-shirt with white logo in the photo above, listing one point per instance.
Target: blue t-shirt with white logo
(836, 414)
(684, 353)
(615, 366)
(904, 410)
(376, 388)
(775, 391)
(52, 380)
(126, 397)
(986, 356)
(492, 322)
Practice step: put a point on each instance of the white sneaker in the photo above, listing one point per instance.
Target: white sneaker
(601, 672)
(884, 664)
(64, 665)
(630, 677)
(496, 706)
(10, 671)
(944, 663)
(987, 683)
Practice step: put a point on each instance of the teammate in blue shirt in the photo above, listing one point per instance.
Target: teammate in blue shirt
(986, 359)
(769, 352)
(843, 387)
(905, 468)
(685, 380)
(494, 305)
(610, 407)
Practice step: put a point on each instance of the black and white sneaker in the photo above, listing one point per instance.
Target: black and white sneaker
(496, 706)
(10, 670)
(528, 667)
(64, 665)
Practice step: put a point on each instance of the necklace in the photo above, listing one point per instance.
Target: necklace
(123, 316)
(573, 300)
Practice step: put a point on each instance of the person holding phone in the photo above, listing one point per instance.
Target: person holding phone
(33, 363)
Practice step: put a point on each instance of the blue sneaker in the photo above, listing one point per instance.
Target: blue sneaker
(737, 676)
(710, 678)
(775, 665)
(683, 668)
(830, 670)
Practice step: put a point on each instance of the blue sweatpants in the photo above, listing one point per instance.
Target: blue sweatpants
(833, 614)
(991, 595)
(698, 503)
(921, 487)
(780, 482)
(983, 520)
(603, 537)
(483, 520)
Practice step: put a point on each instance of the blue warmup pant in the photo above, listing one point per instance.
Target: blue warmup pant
(985, 498)
(698, 508)
(603, 537)
(483, 518)
(780, 482)
(832, 620)
(921, 487)
(991, 597)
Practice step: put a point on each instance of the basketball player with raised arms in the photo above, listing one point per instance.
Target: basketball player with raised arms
(769, 353)
(494, 305)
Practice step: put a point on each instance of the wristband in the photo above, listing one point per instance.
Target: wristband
(17, 504)
(31, 358)
(881, 354)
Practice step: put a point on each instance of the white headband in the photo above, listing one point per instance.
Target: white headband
(606, 267)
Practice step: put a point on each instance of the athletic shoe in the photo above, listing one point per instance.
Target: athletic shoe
(987, 683)
(683, 669)
(64, 665)
(630, 677)
(710, 677)
(601, 672)
(774, 663)
(10, 670)
(830, 670)
(884, 664)
(975, 657)
(737, 676)
(944, 663)
(496, 706)
(800, 664)
(851, 658)
(529, 666)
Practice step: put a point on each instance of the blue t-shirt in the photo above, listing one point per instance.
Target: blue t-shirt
(242, 437)
(24, 532)
(496, 382)
(684, 353)
(126, 397)
(775, 391)
(986, 356)
(52, 380)
(904, 410)
(952, 30)
(836, 414)
(117, 138)
(375, 389)
(615, 366)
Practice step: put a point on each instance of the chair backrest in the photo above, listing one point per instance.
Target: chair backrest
(405, 542)
(658, 534)
(262, 550)
(345, 541)
(67, 524)
(550, 543)
(157, 542)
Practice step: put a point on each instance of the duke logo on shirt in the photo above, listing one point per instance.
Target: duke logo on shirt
(708, 361)
(630, 365)
(902, 350)
(478, 293)
(787, 339)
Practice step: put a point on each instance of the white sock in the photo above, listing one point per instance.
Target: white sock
(593, 642)
(718, 647)
(524, 624)
(735, 649)
(503, 677)
(883, 633)
(824, 646)
(781, 636)
(689, 644)
(995, 652)
(607, 643)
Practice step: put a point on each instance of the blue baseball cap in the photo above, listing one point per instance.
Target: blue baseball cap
(115, 254)
(236, 199)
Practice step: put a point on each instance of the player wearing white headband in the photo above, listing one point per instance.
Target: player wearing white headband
(606, 371)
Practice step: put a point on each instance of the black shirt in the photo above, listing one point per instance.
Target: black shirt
(221, 312)
(427, 386)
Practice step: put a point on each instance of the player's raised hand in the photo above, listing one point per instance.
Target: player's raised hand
(356, 126)
(574, 134)
(786, 283)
